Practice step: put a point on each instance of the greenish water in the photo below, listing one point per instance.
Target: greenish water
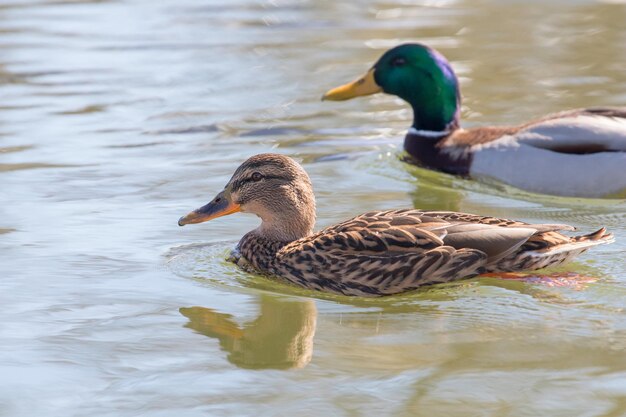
(118, 117)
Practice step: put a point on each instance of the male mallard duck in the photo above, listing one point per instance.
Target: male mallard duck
(380, 252)
(574, 153)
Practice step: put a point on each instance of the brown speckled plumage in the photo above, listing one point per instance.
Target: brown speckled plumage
(386, 252)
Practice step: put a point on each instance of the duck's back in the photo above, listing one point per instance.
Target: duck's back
(377, 253)
(574, 153)
(388, 252)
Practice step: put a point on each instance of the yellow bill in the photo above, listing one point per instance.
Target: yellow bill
(364, 86)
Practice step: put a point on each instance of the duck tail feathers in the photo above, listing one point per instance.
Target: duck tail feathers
(579, 244)
(599, 236)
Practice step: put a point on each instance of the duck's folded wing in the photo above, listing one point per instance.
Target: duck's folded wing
(457, 217)
(386, 232)
(394, 232)
(383, 252)
(577, 153)
(581, 131)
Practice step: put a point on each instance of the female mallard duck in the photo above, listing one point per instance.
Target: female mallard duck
(574, 153)
(380, 252)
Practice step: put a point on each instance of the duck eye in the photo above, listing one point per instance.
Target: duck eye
(256, 176)
(398, 62)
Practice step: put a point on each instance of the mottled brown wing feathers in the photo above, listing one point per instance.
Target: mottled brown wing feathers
(393, 251)
(387, 231)
(410, 230)
(380, 253)
(455, 217)
(541, 241)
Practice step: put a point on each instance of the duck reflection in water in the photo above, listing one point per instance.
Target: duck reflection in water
(281, 337)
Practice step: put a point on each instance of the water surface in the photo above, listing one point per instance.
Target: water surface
(117, 117)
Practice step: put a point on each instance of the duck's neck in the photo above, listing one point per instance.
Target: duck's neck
(433, 92)
(425, 148)
(259, 246)
(434, 112)
(423, 139)
(290, 225)
(288, 216)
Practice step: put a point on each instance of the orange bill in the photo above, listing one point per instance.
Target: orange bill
(220, 206)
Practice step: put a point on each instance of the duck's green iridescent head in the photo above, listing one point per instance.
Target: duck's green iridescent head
(417, 74)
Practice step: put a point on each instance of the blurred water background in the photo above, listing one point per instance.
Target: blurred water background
(118, 117)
